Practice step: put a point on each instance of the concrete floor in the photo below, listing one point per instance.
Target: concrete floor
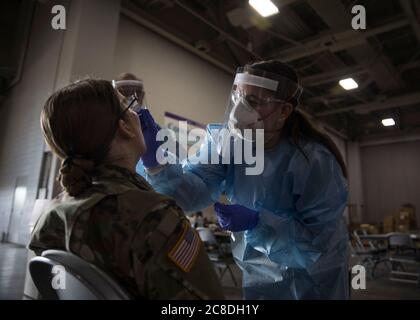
(13, 265)
(381, 288)
(12, 271)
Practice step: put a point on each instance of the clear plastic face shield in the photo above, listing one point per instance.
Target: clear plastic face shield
(132, 90)
(256, 99)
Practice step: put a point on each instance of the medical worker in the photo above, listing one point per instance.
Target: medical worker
(289, 235)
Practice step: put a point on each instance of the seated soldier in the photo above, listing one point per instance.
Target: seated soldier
(109, 215)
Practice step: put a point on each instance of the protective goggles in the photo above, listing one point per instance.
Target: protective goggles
(133, 91)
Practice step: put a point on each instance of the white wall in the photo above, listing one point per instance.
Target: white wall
(53, 59)
(175, 80)
(89, 46)
(21, 140)
(391, 177)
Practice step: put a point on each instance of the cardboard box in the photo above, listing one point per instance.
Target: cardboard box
(405, 219)
(370, 228)
(405, 216)
(403, 228)
(388, 224)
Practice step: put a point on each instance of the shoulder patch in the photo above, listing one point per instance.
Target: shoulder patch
(186, 249)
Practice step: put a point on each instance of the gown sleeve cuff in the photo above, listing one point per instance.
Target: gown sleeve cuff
(155, 170)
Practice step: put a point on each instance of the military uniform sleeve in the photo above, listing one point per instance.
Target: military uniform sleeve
(48, 233)
(169, 259)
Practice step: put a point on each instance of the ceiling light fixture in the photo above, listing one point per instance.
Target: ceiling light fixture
(349, 84)
(390, 122)
(265, 8)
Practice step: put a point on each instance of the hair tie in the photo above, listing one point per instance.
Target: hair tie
(69, 159)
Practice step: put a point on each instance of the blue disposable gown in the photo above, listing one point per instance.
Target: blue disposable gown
(298, 250)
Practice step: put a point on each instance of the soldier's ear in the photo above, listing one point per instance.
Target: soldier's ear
(124, 130)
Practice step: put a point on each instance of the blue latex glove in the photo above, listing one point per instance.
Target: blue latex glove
(150, 129)
(235, 217)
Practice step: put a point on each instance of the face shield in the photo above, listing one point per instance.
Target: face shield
(255, 97)
(132, 90)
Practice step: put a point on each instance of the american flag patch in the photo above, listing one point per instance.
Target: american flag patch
(186, 250)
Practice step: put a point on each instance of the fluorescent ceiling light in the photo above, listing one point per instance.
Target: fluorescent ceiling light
(264, 7)
(388, 122)
(349, 84)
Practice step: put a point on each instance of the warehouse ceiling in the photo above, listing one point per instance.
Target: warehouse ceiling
(315, 36)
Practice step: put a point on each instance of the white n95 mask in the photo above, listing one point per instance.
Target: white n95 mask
(243, 117)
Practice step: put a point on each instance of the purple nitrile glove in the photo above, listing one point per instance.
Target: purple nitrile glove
(150, 129)
(235, 217)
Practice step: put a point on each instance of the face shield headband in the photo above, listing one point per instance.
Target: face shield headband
(257, 95)
(283, 88)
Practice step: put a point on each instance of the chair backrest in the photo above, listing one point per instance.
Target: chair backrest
(359, 243)
(400, 240)
(353, 249)
(79, 280)
(207, 236)
(370, 243)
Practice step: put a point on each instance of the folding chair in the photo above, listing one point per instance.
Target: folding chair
(370, 256)
(222, 259)
(405, 259)
(83, 280)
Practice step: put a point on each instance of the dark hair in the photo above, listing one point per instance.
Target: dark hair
(79, 123)
(297, 126)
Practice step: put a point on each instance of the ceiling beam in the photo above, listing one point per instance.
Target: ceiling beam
(338, 96)
(397, 136)
(283, 3)
(335, 42)
(410, 65)
(409, 11)
(327, 77)
(393, 102)
(338, 17)
(222, 32)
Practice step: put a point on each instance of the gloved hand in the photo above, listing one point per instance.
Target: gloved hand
(150, 129)
(235, 217)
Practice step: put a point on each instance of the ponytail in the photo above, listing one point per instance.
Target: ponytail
(298, 127)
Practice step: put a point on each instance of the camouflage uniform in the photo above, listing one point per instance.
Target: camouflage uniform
(138, 236)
